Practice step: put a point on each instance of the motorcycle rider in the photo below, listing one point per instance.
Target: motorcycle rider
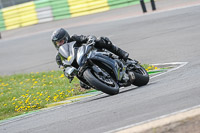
(61, 36)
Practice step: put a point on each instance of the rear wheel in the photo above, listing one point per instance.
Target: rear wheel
(101, 82)
(141, 77)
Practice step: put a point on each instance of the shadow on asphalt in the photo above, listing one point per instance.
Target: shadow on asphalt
(135, 87)
(122, 91)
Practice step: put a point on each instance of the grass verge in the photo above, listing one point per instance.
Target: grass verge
(22, 93)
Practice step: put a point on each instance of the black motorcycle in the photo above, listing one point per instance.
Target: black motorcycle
(100, 69)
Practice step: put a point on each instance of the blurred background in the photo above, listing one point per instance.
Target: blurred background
(7, 3)
(19, 13)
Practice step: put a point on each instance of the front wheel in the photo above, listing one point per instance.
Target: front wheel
(105, 84)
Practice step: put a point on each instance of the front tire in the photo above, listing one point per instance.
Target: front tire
(99, 85)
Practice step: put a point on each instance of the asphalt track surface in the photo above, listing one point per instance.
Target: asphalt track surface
(169, 36)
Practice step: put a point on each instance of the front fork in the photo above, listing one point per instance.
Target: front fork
(81, 70)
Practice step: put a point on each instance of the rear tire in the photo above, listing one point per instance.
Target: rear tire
(99, 85)
(141, 77)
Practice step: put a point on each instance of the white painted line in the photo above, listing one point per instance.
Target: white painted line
(60, 106)
(126, 128)
(37, 112)
(181, 64)
(189, 112)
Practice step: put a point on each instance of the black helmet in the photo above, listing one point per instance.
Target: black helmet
(59, 35)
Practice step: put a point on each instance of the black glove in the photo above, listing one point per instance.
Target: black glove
(104, 40)
(58, 60)
(91, 39)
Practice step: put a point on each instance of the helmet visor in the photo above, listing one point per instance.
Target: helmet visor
(60, 43)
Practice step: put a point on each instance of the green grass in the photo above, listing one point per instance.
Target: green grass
(149, 67)
(22, 93)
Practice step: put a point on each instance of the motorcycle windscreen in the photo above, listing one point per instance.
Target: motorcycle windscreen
(67, 52)
(82, 53)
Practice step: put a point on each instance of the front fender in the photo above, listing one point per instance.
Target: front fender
(110, 63)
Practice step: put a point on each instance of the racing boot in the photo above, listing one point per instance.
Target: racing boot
(119, 52)
(105, 42)
(83, 85)
(122, 54)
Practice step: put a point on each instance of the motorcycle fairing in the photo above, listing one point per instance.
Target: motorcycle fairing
(111, 64)
(68, 52)
(82, 54)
